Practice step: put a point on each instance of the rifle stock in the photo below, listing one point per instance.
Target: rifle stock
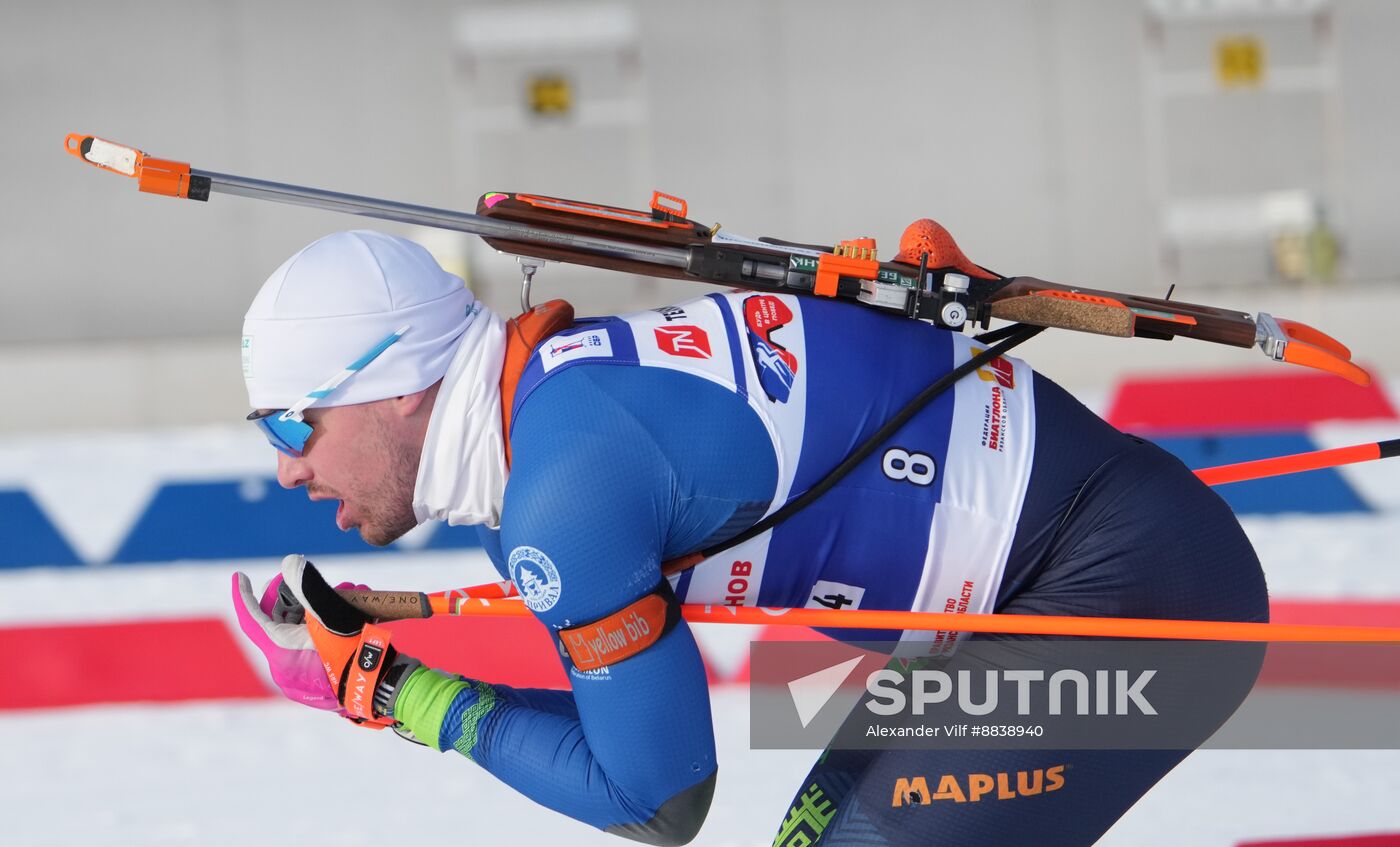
(786, 266)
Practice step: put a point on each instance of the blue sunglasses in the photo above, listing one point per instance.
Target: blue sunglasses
(287, 429)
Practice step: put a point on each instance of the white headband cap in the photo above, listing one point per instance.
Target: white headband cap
(335, 300)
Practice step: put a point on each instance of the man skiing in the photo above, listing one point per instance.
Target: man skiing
(590, 452)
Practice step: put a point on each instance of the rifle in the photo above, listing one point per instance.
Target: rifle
(929, 279)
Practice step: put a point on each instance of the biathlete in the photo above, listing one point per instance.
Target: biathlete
(592, 451)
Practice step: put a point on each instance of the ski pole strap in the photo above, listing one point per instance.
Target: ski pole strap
(360, 680)
(1009, 336)
(624, 633)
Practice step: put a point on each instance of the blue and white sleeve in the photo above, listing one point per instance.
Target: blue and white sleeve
(631, 748)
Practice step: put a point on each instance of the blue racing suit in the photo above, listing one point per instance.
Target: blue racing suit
(641, 438)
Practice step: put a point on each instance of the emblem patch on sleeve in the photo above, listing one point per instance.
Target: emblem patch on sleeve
(535, 577)
(587, 344)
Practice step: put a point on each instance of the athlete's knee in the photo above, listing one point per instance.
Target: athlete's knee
(677, 821)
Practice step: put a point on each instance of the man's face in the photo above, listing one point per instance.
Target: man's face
(365, 456)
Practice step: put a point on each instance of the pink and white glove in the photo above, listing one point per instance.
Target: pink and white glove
(275, 625)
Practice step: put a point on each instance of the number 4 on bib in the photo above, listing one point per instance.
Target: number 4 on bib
(834, 595)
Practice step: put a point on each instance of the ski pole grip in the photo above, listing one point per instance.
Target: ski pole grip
(389, 605)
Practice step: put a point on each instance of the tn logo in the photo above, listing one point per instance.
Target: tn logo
(689, 341)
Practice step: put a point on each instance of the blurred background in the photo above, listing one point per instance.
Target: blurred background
(1240, 150)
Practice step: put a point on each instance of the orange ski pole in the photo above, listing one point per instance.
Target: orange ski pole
(927, 621)
(1299, 462)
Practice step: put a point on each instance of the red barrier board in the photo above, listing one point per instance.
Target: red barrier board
(141, 661)
(1251, 401)
(1376, 840)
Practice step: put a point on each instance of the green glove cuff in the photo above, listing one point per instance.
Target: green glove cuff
(423, 701)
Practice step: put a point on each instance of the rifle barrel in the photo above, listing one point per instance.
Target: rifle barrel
(390, 210)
